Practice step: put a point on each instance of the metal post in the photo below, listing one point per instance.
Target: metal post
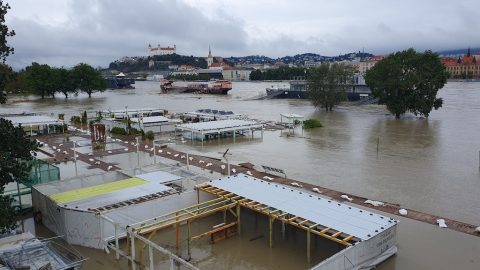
(177, 236)
(188, 162)
(117, 254)
(271, 231)
(154, 154)
(238, 218)
(202, 138)
(31, 131)
(75, 158)
(188, 239)
(234, 131)
(283, 230)
(378, 143)
(150, 257)
(132, 248)
(308, 246)
(138, 153)
(228, 166)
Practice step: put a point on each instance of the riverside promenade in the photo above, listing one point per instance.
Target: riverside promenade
(64, 152)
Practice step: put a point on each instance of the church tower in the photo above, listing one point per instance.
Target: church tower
(210, 57)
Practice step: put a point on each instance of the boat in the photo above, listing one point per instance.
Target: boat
(119, 81)
(298, 90)
(220, 87)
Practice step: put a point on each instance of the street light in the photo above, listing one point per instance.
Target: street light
(224, 155)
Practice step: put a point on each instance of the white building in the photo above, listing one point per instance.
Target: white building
(236, 74)
(159, 50)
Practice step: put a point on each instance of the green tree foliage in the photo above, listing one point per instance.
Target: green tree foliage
(87, 79)
(256, 75)
(15, 150)
(311, 123)
(40, 79)
(5, 50)
(328, 83)
(408, 81)
(281, 73)
(63, 81)
(6, 75)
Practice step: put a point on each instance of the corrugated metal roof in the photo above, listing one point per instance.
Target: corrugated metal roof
(151, 119)
(220, 124)
(159, 177)
(291, 115)
(32, 120)
(324, 211)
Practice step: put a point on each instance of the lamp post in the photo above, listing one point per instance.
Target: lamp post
(224, 156)
(75, 158)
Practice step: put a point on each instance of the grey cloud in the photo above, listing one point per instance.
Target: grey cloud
(98, 32)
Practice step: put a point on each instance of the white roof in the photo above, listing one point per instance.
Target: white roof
(155, 184)
(220, 124)
(133, 110)
(159, 177)
(151, 119)
(32, 120)
(324, 211)
(291, 115)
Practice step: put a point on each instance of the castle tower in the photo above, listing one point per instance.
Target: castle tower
(210, 57)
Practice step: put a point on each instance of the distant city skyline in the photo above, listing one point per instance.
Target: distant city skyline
(66, 32)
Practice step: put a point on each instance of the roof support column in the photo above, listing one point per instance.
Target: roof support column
(271, 219)
(308, 245)
(238, 218)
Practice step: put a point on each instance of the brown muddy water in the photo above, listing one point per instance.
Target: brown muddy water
(431, 165)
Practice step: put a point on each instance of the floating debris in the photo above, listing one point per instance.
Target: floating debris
(109, 168)
(201, 161)
(374, 203)
(97, 163)
(90, 154)
(316, 190)
(222, 166)
(249, 173)
(109, 152)
(65, 152)
(190, 158)
(268, 178)
(54, 147)
(234, 171)
(60, 144)
(126, 149)
(160, 151)
(477, 229)
(295, 184)
(176, 155)
(403, 212)
(441, 223)
(168, 153)
(209, 164)
(345, 196)
(146, 146)
(91, 159)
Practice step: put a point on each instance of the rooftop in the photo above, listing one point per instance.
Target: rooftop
(323, 211)
(32, 120)
(219, 125)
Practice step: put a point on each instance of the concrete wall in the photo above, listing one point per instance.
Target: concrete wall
(364, 255)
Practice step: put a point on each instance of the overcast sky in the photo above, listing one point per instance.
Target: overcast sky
(65, 32)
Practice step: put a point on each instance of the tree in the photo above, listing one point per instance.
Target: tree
(63, 81)
(256, 75)
(6, 74)
(87, 79)
(5, 50)
(40, 79)
(327, 84)
(408, 81)
(15, 152)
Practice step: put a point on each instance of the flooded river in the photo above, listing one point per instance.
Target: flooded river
(431, 165)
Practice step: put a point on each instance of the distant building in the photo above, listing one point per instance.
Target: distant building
(209, 57)
(311, 64)
(236, 74)
(467, 67)
(152, 51)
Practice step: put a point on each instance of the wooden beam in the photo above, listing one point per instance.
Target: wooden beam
(292, 219)
(303, 222)
(214, 230)
(336, 234)
(325, 230)
(348, 238)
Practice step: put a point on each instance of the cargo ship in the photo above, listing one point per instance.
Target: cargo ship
(220, 87)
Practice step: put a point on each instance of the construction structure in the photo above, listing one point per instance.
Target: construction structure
(209, 115)
(218, 129)
(364, 238)
(34, 124)
(24, 251)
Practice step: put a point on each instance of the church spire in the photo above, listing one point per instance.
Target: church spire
(209, 51)
(468, 52)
